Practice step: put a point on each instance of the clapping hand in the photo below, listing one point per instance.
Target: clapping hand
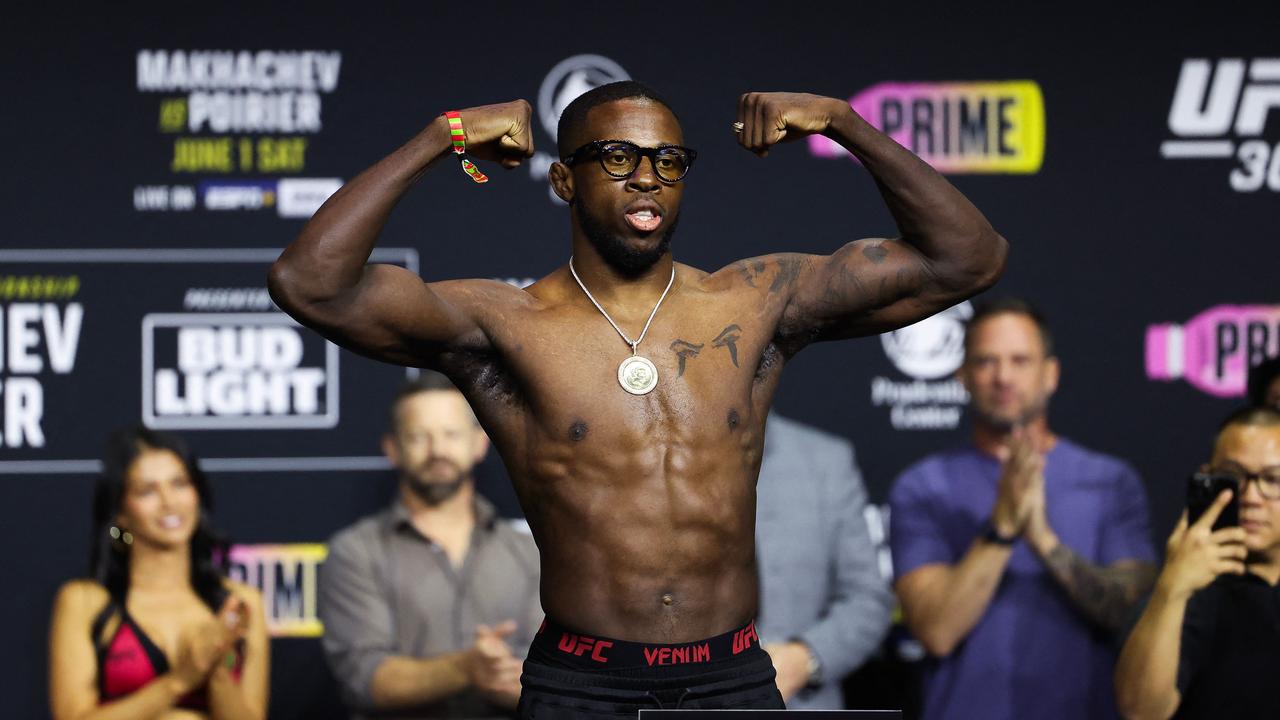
(493, 669)
(1021, 485)
(205, 644)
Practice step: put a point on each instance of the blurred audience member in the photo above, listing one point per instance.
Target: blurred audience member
(1264, 384)
(158, 629)
(1208, 643)
(428, 605)
(824, 608)
(1017, 556)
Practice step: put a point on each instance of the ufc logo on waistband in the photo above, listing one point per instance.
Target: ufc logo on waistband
(744, 638)
(579, 645)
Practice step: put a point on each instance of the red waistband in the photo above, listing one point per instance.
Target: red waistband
(575, 649)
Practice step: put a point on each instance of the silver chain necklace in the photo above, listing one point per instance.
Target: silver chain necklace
(636, 374)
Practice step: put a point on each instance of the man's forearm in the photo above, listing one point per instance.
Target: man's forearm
(331, 251)
(1147, 670)
(401, 682)
(1105, 595)
(931, 214)
(954, 601)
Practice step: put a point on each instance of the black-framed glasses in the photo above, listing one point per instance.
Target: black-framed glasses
(1268, 482)
(620, 158)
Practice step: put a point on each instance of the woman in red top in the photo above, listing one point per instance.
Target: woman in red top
(159, 631)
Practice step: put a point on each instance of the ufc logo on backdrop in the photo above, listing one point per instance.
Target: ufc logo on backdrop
(1216, 104)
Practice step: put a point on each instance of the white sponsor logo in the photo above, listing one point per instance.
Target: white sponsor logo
(930, 352)
(236, 371)
(931, 348)
(301, 197)
(569, 78)
(1214, 106)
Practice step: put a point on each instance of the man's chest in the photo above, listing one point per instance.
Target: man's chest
(689, 360)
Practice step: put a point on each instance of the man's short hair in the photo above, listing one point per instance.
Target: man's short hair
(426, 381)
(1251, 416)
(575, 114)
(1011, 306)
(1261, 377)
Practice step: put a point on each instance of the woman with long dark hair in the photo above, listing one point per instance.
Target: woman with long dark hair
(158, 631)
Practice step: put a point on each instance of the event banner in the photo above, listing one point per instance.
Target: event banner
(182, 339)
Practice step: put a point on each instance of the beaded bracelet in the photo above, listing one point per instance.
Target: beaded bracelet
(459, 139)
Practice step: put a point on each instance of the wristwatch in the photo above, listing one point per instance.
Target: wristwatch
(992, 535)
(815, 667)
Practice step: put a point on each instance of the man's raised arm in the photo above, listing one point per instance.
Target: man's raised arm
(384, 311)
(947, 250)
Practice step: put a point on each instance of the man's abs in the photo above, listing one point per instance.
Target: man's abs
(648, 554)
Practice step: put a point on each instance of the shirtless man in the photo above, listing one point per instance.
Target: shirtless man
(642, 501)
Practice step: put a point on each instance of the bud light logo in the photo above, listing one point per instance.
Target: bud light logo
(210, 371)
(1215, 349)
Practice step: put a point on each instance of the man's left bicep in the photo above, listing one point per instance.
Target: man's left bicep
(869, 286)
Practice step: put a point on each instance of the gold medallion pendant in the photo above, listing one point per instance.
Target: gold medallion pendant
(637, 375)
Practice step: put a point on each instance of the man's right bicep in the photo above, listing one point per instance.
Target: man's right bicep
(392, 315)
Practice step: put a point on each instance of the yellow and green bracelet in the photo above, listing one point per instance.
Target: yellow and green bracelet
(459, 139)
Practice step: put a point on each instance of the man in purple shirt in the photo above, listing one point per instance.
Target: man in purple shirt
(1019, 556)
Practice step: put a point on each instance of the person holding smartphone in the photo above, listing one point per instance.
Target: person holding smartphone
(1207, 644)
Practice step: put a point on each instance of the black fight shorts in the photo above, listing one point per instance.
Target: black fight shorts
(571, 676)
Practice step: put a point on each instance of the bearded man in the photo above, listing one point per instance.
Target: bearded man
(428, 606)
(1020, 556)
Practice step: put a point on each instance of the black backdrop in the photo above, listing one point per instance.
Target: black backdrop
(113, 250)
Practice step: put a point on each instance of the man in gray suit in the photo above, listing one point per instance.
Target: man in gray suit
(824, 607)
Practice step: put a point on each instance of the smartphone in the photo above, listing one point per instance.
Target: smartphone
(1203, 488)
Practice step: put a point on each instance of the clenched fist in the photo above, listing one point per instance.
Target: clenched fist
(770, 118)
(500, 132)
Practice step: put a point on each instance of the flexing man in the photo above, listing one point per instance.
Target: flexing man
(627, 393)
